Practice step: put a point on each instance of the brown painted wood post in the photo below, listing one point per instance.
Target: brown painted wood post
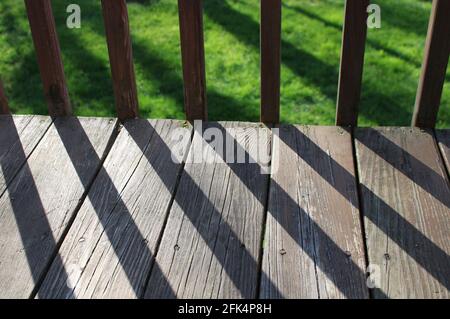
(115, 17)
(270, 60)
(193, 58)
(45, 38)
(352, 61)
(4, 108)
(434, 67)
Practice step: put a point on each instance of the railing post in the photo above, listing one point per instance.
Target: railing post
(115, 17)
(270, 60)
(45, 38)
(437, 50)
(4, 108)
(193, 58)
(352, 61)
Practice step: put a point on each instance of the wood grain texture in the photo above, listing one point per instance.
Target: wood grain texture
(406, 205)
(434, 67)
(19, 135)
(115, 17)
(211, 244)
(46, 44)
(193, 58)
(109, 249)
(443, 138)
(352, 61)
(270, 60)
(42, 198)
(313, 246)
(4, 107)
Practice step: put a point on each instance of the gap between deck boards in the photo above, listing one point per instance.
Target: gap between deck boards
(29, 242)
(109, 145)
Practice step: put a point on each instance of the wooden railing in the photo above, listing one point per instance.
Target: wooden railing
(4, 108)
(193, 58)
(43, 31)
(434, 67)
(115, 16)
(270, 60)
(352, 62)
(117, 31)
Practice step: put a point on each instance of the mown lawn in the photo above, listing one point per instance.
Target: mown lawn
(310, 60)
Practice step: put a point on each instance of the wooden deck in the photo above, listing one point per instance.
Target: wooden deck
(90, 208)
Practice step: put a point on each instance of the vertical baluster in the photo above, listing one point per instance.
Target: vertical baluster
(437, 50)
(270, 60)
(193, 58)
(115, 17)
(352, 61)
(4, 108)
(45, 38)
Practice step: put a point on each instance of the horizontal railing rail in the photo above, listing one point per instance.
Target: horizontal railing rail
(115, 16)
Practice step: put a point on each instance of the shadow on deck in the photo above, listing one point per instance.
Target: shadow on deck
(90, 208)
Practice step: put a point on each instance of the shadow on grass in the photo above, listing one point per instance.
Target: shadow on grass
(388, 110)
(374, 44)
(300, 62)
(409, 18)
(91, 87)
(170, 83)
(161, 73)
(95, 91)
(96, 87)
(25, 87)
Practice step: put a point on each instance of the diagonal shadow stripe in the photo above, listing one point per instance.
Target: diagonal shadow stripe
(234, 274)
(298, 61)
(29, 212)
(338, 27)
(339, 255)
(120, 247)
(433, 259)
(156, 70)
(171, 85)
(409, 165)
(304, 64)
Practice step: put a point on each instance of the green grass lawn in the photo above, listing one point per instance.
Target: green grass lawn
(310, 60)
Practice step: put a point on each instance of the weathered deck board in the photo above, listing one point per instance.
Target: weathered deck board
(313, 247)
(19, 135)
(406, 205)
(109, 249)
(40, 201)
(141, 226)
(443, 138)
(211, 244)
